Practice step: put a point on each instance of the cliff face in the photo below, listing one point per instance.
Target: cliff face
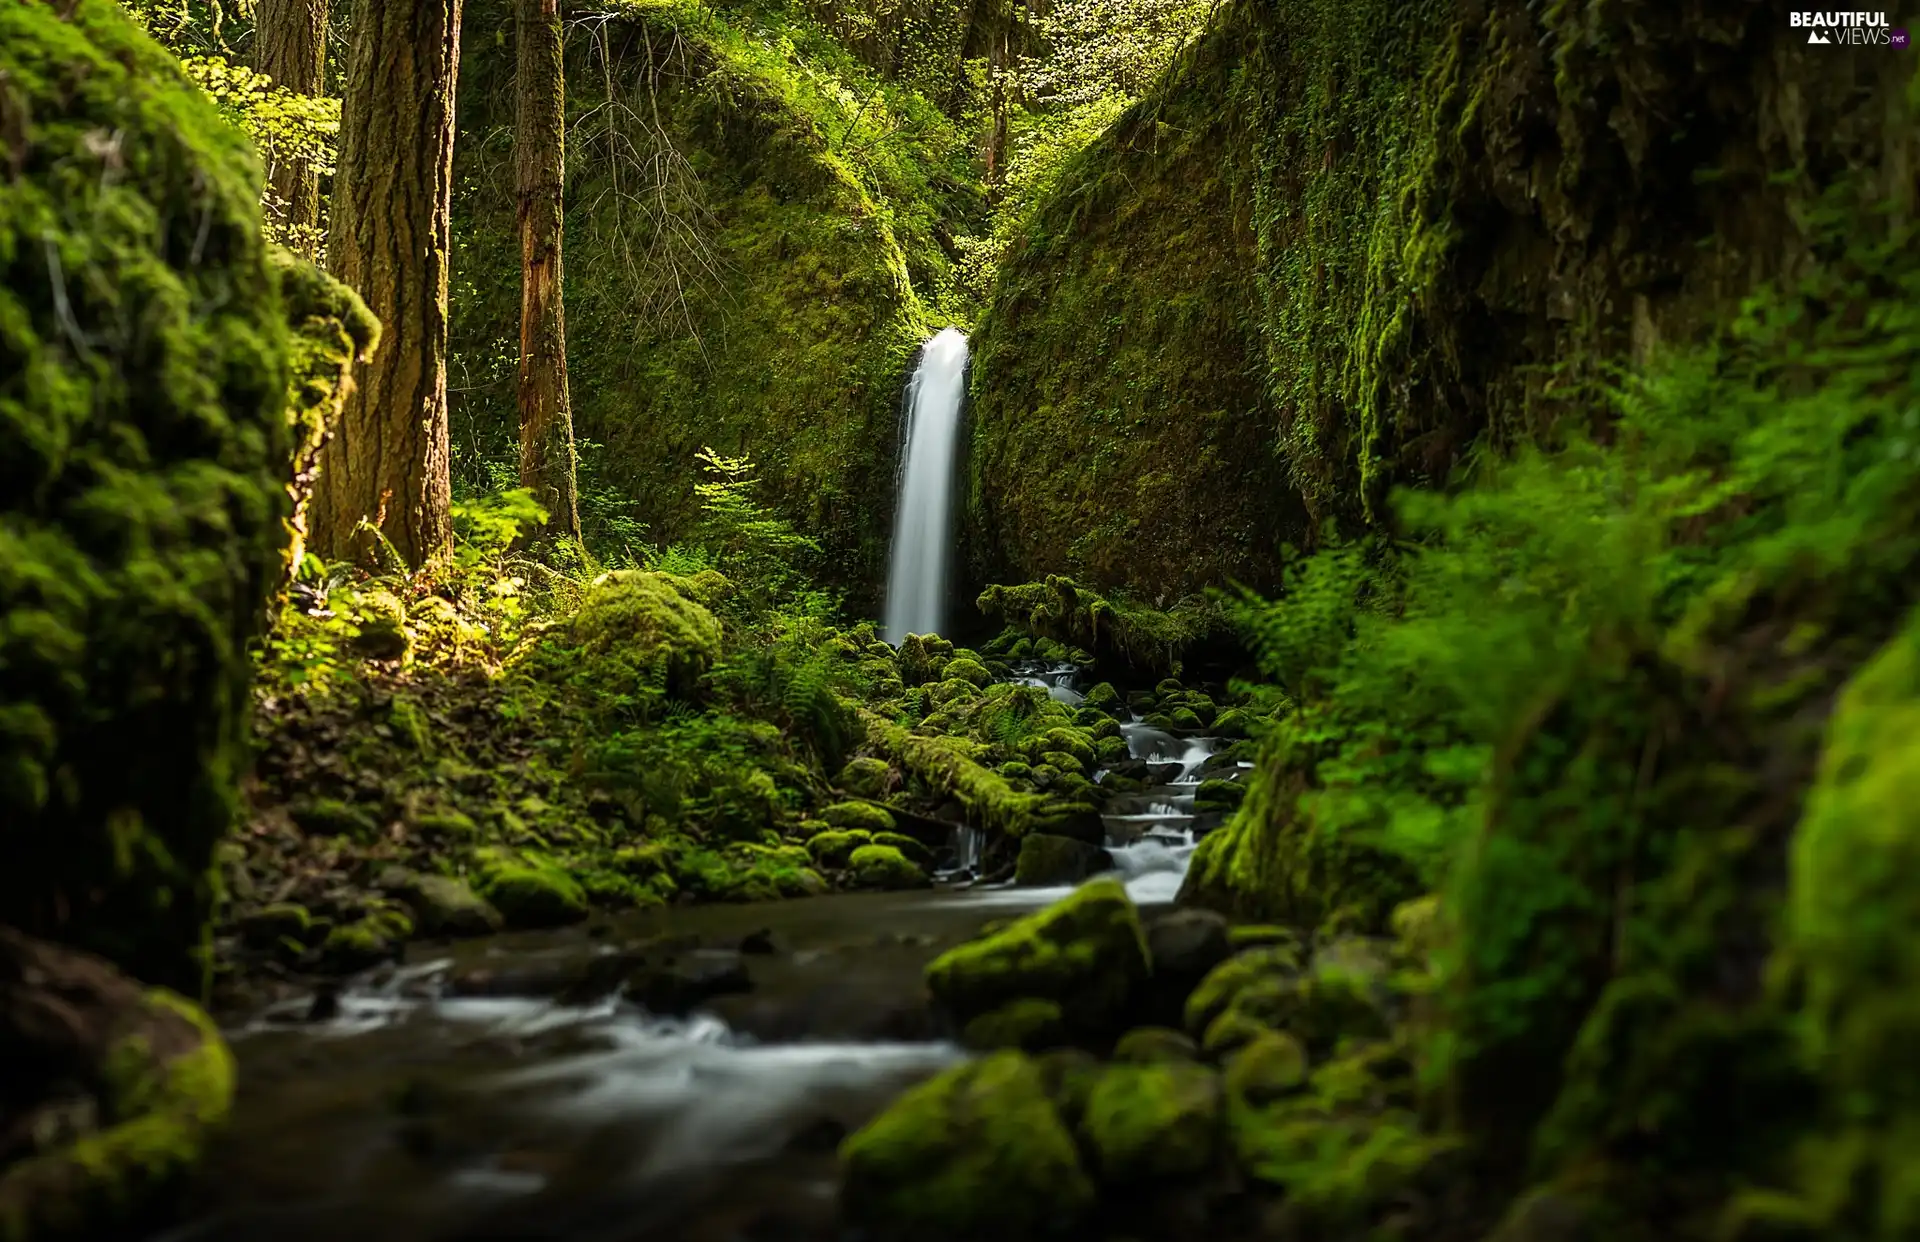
(750, 265)
(1343, 244)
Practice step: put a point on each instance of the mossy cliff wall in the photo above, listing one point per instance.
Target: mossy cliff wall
(143, 446)
(732, 279)
(1376, 233)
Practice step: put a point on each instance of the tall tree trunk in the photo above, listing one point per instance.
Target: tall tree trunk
(389, 238)
(290, 46)
(546, 411)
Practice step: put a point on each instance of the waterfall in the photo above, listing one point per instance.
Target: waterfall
(923, 520)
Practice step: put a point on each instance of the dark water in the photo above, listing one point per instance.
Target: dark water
(417, 1115)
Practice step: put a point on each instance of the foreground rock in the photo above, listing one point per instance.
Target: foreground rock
(112, 1089)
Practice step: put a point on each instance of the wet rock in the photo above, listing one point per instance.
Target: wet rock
(976, 1152)
(1153, 1045)
(758, 943)
(325, 1006)
(365, 942)
(1184, 946)
(822, 1134)
(1046, 860)
(1152, 1122)
(1079, 820)
(675, 989)
(1086, 952)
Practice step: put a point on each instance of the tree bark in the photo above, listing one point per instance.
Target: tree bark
(389, 238)
(290, 46)
(547, 463)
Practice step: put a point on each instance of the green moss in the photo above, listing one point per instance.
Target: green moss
(976, 1152)
(1149, 1122)
(1223, 985)
(161, 1112)
(915, 852)
(142, 488)
(968, 670)
(834, 848)
(1267, 1067)
(532, 895)
(858, 816)
(265, 927)
(1152, 1045)
(1150, 639)
(1046, 859)
(634, 630)
(1086, 952)
(882, 866)
(1028, 1024)
(334, 817)
(868, 777)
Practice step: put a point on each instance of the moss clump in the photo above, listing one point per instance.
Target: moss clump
(266, 927)
(1086, 952)
(1151, 1122)
(1153, 1045)
(335, 817)
(636, 629)
(143, 448)
(445, 906)
(914, 850)
(866, 776)
(833, 848)
(1047, 860)
(968, 670)
(1029, 1024)
(858, 817)
(1223, 985)
(1267, 1067)
(882, 866)
(1149, 639)
(531, 894)
(977, 1152)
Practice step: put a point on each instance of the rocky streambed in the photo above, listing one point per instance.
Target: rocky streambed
(677, 1072)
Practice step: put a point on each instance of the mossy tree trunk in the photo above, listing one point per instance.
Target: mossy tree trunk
(290, 46)
(389, 239)
(546, 413)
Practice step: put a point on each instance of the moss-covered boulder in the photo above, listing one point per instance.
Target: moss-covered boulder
(1152, 1122)
(1218, 795)
(1029, 1024)
(143, 454)
(121, 1086)
(858, 817)
(1086, 952)
(866, 776)
(270, 925)
(532, 894)
(445, 906)
(914, 849)
(636, 629)
(976, 1152)
(882, 866)
(834, 847)
(1046, 860)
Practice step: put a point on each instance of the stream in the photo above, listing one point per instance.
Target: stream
(457, 1098)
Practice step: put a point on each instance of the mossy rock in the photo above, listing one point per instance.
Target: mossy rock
(266, 927)
(868, 777)
(1062, 762)
(380, 625)
(533, 896)
(1047, 860)
(1029, 1025)
(976, 1152)
(968, 670)
(333, 817)
(1062, 818)
(1154, 1045)
(834, 847)
(363, 943)
(445, 906)
(1267, 1067)
(1185, 720)
(1086, 952)
(882, 866)
(951, 691)
(1235, 722)
(1104, 698)
(1225, 982)
(1263, 936)
(1016, 770)
(636, 629)
(858, 816)
(159, 1079)
(1232, 1030)
(1152, 1122)
(1219, 795)
(915, 851)
(445, 825)
(807, 829)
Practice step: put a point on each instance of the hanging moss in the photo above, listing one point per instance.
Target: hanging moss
(143, 444)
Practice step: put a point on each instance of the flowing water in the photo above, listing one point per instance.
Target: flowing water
(460, 1098)
(923, 518)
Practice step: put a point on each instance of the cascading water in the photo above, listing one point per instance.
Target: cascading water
(923, 520)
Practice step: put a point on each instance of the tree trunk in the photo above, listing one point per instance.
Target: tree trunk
(389, 238)
(290, 46)
(547, 464)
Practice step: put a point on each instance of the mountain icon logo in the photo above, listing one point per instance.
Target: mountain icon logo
(1817, 37)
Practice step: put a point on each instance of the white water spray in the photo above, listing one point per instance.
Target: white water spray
(923, 521)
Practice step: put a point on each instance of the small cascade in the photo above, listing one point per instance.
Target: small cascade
(923, 519)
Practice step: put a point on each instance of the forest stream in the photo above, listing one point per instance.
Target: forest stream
(463, 1095)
